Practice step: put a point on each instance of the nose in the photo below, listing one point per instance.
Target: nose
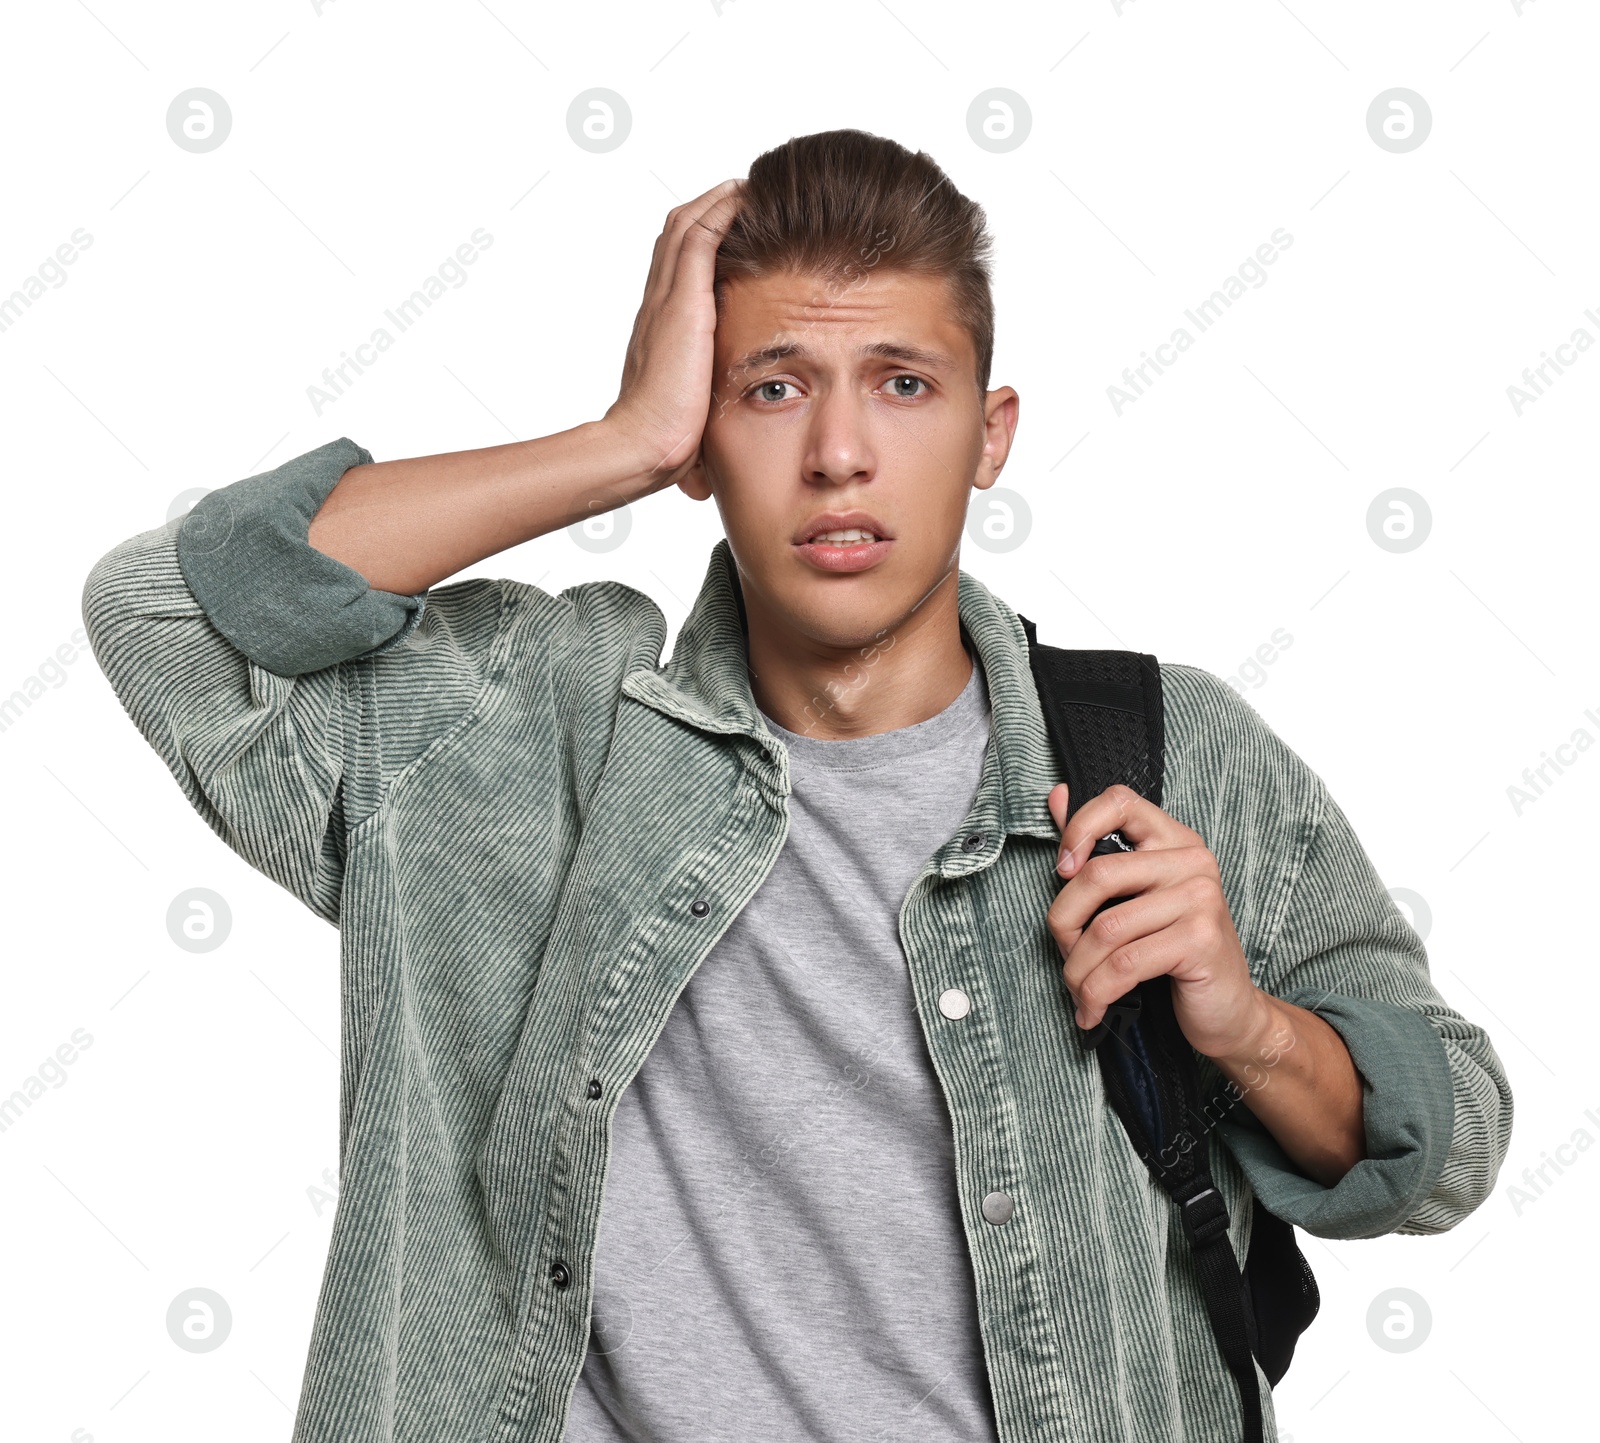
(840, 446)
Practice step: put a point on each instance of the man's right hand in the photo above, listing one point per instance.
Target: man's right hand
(666, 378)
(407, 525)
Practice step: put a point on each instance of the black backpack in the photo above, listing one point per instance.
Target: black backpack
(1104, 714)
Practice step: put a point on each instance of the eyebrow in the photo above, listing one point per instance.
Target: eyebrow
(882, 350)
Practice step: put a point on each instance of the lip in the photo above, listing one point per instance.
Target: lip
(856, 557)
(842, 521)
(831, 556)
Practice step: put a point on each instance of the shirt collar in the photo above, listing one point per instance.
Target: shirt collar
(706, 684)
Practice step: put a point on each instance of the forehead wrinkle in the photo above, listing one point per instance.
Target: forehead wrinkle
(784, 350)
(811, 313)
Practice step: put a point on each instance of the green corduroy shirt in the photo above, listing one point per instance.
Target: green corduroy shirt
(529, 832)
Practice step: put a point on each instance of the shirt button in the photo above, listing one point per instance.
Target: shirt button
(595, 1089)
(997, 1208)
(699, 906)
(560, 1276)
(954, 1003)
(973, 842)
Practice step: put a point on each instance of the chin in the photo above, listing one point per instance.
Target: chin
(843, 611)
(850, 613)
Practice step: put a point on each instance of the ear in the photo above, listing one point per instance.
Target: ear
(1000, 409)
(693, 482)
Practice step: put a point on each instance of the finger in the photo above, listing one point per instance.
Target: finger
(1119, 809)
(696, 261)
(1060, 795)
(1127, 923)
(680, 219)
(659, 277)
(662, 274)
(1121, 971)
(1115, 876)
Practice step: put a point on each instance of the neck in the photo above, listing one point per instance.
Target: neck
(913, 671)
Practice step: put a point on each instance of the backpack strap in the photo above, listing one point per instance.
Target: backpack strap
(1103, 710)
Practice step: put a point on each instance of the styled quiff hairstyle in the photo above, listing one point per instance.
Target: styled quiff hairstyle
(840, 203)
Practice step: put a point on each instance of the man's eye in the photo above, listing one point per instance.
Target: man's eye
(897, 386)
(765, 390)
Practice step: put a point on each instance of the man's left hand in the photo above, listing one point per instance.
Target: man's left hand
(1175, 923)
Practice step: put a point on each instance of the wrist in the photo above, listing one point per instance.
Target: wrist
(630, 453)
(1265, 1034)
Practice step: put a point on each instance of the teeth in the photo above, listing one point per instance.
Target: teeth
(844, 537)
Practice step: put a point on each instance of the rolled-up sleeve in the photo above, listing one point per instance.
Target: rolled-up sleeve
(224, 635)
(1436, 1104)
(291, 609)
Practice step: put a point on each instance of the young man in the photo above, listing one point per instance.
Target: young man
(711, 1060)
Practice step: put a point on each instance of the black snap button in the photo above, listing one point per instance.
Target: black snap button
(973, 842)
(699, 906)
(559, 1275)
(594, 1087)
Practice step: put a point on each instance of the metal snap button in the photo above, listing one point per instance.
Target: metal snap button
(699, 906)
(561, 1276)
(997, 1208)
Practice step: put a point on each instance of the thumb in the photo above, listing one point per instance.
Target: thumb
(1057, 802)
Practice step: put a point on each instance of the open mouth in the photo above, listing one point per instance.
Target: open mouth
(843, 544)
(850, 536)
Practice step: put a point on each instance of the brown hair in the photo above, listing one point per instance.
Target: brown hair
(842, 202)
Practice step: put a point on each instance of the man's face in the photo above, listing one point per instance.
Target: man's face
(839, 407)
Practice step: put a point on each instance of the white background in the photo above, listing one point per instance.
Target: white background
(1167, 143)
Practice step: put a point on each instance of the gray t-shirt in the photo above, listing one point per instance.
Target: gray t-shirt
(780, 1253)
